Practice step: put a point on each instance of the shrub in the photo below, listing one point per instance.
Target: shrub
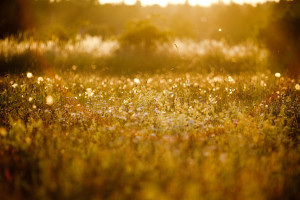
(143, 35)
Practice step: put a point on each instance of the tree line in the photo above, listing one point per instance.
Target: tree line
(274, 25)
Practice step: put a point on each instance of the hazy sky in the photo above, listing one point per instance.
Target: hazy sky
(191, 2)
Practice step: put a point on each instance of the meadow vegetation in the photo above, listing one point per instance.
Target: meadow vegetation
(154, 103)
(123, 56)
(171, 136)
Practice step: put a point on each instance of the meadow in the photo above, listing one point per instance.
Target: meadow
(93, 54)
(130, 102)
(149, 136)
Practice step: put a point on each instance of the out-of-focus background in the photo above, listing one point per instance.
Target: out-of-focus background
(141, 36)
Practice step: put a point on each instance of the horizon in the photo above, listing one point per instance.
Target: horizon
(164, 3)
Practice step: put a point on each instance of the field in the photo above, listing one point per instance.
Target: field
(149, 136)
(106, 100)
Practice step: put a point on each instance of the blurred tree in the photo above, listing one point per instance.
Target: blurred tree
(95, 30)
(282, 36)
(15, 16)
(143, 35)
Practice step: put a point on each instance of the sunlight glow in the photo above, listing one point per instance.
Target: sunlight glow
(130, 2)
(110, 1)
(164, 3)
(49, 100)
(29, 75)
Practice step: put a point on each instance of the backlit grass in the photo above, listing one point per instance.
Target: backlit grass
(168, 136)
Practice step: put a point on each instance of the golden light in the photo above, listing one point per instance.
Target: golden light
(89, 92)
(49, 100)
(277, 75)
(191, 2)
(29, 75)
(137, 81)
(130, 2)
(162, 3)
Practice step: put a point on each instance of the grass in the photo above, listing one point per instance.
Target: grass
(95, 55)
(159, 136)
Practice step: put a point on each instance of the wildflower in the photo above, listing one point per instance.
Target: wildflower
(30, 99)
(89, 92)
(137, 81)
(277, 75)
(14, 85)
(230, 79)
(29, 75)
(57, 77)
(149, 80)
(40, 79)
(49, 100)
(297, 87)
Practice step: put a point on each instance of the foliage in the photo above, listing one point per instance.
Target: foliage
(183, 21)
(84, 117)
(282, 36)
(94, 54)
(143, 35)
(175, 136)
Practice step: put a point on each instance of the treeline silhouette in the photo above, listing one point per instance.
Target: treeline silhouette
(274, 25)
(65, 19)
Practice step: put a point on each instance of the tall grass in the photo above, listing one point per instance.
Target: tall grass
(107, 56)
(171, 136)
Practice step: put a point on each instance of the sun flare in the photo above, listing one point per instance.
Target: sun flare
(191, 2)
